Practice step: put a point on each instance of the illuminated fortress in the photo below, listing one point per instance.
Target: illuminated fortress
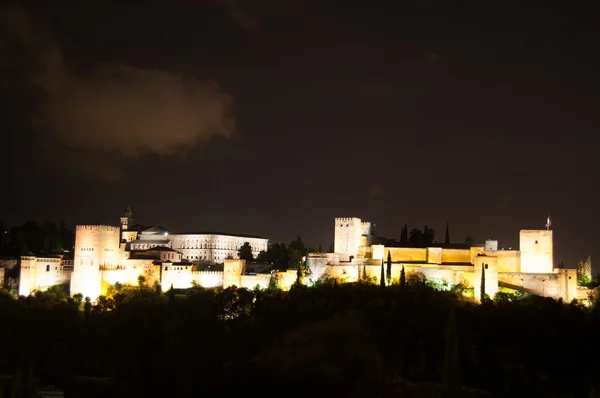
(106, 255)
(529, 269)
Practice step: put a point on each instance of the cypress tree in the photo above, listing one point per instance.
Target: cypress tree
(482, 287)
(364, 274)
(451, 369)
(402, 278)
(382, 277)
(389, 268)
(447, 234)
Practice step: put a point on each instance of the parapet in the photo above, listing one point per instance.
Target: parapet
(345, 219)
(92, 227)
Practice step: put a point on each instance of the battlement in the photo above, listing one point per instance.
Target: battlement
(94, 227)
(48, 259)
(345, 219)
(207, 273)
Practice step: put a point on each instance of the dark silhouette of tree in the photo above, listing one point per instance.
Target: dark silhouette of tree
(364, 272)
(87, 307)
(428, 236)
(450, 373)
(245, 252)
(482, 287)
(404, 236)
(263, 257)
(416, 238)
(382, 276)
(389, 268)
(402, 278)
(447, 240)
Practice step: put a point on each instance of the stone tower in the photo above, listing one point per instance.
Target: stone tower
(95, 246)
(232, 273)
(127, 224)
(348, 232)
(536, 251)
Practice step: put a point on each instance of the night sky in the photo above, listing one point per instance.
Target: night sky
(271, 118)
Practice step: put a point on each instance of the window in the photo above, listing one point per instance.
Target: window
(48, 268)
(486, 266)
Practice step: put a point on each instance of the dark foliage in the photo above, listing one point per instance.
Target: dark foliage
(336, 339)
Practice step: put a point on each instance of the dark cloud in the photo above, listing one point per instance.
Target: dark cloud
(115, 108)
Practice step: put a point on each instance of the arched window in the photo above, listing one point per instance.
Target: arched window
(48, 268)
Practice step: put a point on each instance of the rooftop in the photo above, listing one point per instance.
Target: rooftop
(218, 233)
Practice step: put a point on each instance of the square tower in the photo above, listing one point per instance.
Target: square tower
(348, 232)
(536, 251)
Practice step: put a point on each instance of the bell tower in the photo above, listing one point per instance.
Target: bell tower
(127, 223)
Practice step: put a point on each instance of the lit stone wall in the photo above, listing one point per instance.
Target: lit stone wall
(559, 284)
(536, 251)
(95, 246)
(508, 260)
(129, 273)
(348, 231)
(456, 256)
(434, 255)
(251, 281)
(50, 272)
(285, 279)
(208, 279)
(179, 276)
(406, 254)
(232, 273)
(2, 276)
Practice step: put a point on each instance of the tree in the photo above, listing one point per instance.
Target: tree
(482, 287)
(416, 238)
(389, 269)
(404, 236)
(469, 240)
(245, 252)
(450, 373)
(87, 307)
(382, 276)
(584, 271)
(142, 282)
(364, 273)
(428, 236)
(263, 257)
(402, 278)
(301, 272)
(447, 241)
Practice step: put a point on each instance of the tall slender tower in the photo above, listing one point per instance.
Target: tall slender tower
(127, 222)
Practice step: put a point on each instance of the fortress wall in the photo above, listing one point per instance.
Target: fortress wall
(177, 277)
(508, 260)
(456, 256)
(285, 279)
(451, 274)
(406, 254)
(50, 272)
(559, 284)
(208, 279)
(250, 281)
